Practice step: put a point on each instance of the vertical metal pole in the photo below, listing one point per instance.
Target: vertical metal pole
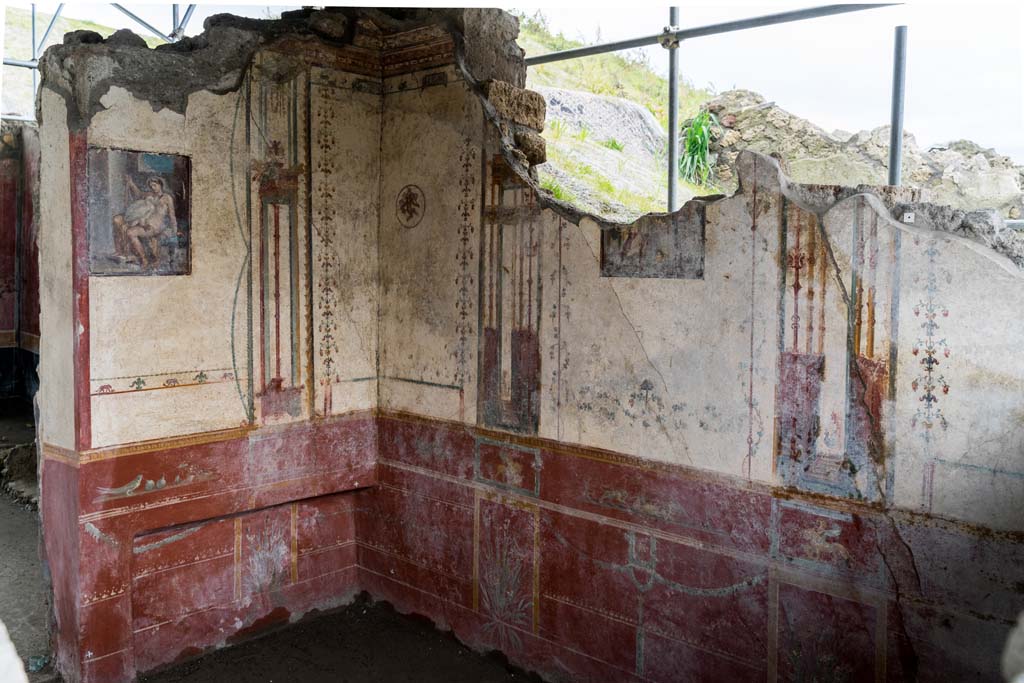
(35, 52)
(673, 115)
(174, 21)
(899, 77)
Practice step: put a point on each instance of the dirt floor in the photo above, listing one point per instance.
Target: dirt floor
(23, 604)
(365, 642)
(24, 607)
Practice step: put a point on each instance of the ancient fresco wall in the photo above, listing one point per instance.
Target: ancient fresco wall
(960, 383)
(281, 259)
(345, 115)
(203, 429)
(19, 283)
(10, 174)
(751, 436)
(155, 368)
(585, 564)
(809, 346)
(431, 164)
(663, 372)
(772, 435)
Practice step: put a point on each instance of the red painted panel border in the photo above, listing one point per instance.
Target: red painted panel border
(78, 149)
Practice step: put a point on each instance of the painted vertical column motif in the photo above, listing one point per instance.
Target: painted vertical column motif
(831, 410)
(278, 178)
(869, 372)
(801, 367)
(510, 304)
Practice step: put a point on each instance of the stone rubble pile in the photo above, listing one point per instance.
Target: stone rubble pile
(960, 174)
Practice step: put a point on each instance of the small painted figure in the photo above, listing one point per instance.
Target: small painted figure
(148, 217)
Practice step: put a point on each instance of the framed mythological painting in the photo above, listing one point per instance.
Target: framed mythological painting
(139, 213)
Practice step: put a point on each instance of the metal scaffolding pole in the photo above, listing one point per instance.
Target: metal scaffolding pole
(35, 52)
(184, 22)
(673, 108)
(49, 27)
(24, 63)
(142, 22)
(179, 26)
(33, 63)
(899, 79)
(700, 31)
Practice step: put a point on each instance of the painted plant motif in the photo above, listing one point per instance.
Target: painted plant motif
(932, 350)
(644, 407)
(411, 205)
(464, 258)
(266, 565)
(139, 213)
(326, 259)
(502, 591)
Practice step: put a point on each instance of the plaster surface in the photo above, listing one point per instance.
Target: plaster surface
(769, 431)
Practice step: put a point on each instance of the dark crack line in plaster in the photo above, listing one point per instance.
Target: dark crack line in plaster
(658, 419)
(857, 376)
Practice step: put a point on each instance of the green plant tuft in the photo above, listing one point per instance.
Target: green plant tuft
(694, 162)
(557, 190)
(613, 144)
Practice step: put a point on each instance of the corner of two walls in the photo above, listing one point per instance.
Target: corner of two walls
(199, 439)
(812, 426)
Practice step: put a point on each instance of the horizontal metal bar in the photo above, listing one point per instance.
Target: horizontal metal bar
(17, 117)
(142, 22)
(701, 31)
(24, 63)
(46, 33)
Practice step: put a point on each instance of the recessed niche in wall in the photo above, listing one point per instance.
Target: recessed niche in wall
(139, 213)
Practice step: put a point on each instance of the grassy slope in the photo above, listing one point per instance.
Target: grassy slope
(17, 82)
(615, 74)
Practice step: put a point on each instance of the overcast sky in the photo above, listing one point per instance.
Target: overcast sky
(965, 69)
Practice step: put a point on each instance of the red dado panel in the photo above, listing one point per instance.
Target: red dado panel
(642, 571)
(577, 563)
(180, 545)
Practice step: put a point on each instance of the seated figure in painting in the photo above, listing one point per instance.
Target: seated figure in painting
(148, 217)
